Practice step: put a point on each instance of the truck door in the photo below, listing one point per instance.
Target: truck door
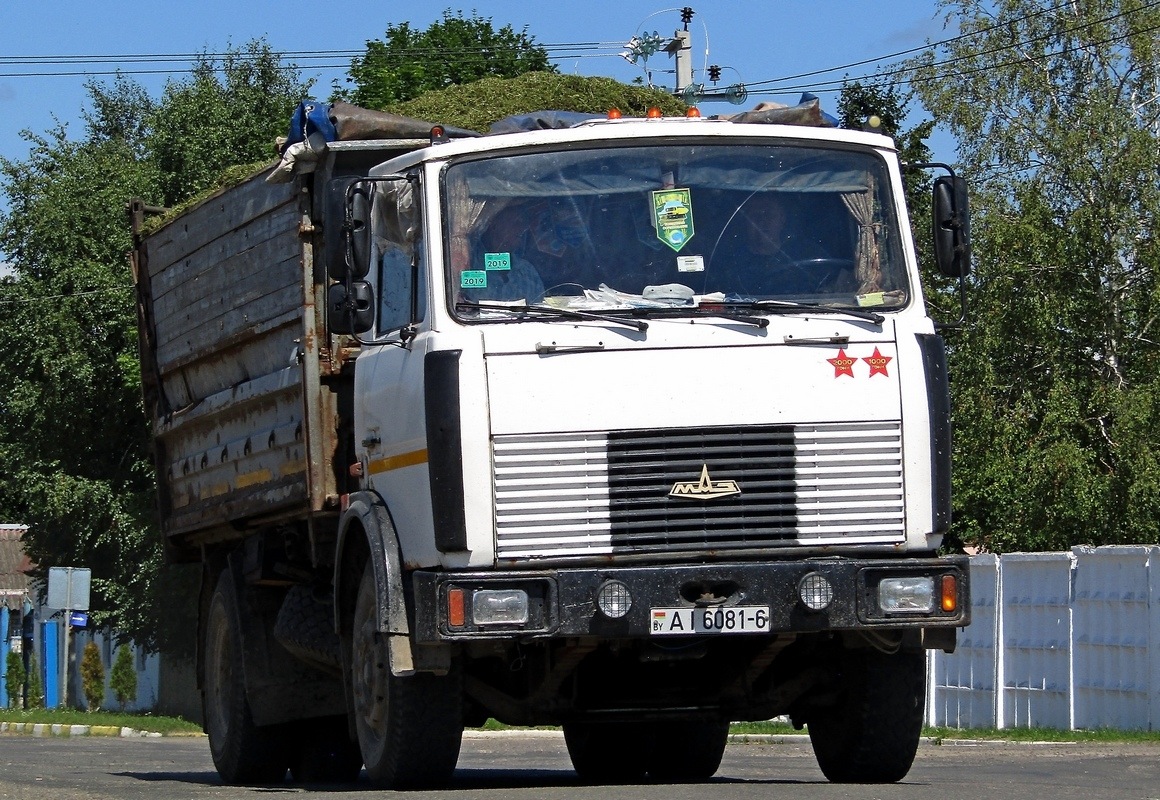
(389, 412)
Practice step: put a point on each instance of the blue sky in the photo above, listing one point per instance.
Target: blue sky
(754, 41)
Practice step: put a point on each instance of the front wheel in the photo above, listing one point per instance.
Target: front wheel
(687, 751)
(871, 735)
(409, 727)
(608, 752)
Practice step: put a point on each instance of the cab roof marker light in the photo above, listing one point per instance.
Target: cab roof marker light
(693, 113)
(614, 113)
(655, 113)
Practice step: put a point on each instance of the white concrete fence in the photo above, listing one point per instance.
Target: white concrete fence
(1057, 640)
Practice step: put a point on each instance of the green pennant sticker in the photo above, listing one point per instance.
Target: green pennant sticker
(673, 215)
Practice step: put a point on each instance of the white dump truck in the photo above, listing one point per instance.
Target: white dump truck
(633, 426)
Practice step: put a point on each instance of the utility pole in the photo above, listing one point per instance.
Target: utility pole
(680, 47)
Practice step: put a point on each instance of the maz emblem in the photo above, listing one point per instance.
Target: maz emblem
(705, 488)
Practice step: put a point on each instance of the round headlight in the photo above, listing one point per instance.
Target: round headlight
(815, 591)
(613, 599)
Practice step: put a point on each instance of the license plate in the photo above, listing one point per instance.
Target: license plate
(722, 619)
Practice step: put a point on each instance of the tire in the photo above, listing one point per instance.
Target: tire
(871, 736)
(685, 752)
(409, 728)
(608, 752)
(243, 752)
(324, 752)
(305, 627)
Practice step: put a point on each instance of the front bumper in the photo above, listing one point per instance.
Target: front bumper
(562, 602)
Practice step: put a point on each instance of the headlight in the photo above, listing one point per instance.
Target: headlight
(900, 595)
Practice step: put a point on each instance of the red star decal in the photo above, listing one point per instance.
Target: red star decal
(878, 363)
(843, 364)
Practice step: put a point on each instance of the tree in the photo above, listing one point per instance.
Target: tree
(1056, 386)
(92, 676)
(228, 113)
(14, 678)
(452, 51)
(35, 696)
(123, 677)
(74, 445)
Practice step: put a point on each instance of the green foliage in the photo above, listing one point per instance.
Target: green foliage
(92, 676)
(476, 106)
(74, 445)
(35, 696)
(123, 676)
(1056, 386)
(14, 676)
(455, 50)
(229, 112)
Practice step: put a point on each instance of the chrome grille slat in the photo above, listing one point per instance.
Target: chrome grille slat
(607, 493)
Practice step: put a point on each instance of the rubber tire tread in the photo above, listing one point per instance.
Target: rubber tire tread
(244, 753)
(608, 752)
(687, 751)
(305, 628)
(872, 736)
(419, 746)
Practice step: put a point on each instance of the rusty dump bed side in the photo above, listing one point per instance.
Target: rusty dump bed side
(230, 316)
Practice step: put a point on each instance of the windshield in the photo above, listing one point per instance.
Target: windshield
(671, 226)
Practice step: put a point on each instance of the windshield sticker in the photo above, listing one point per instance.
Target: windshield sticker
(673, 215)
(473, 279)
(497, 261)
(690, 263)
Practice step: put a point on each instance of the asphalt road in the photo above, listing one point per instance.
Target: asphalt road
(538, 769)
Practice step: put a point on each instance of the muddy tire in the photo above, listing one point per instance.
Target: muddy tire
(305, 627)
(324, 752)
(685, 752)
(608, 752)
(243, 752)
(871, 735)
(409, 728)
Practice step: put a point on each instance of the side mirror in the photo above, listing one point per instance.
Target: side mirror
(347, 230)
(952, 226)
(350, 311)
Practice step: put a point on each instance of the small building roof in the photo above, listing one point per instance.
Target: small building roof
(14, 566)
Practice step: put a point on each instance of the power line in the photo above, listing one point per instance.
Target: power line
(886, 76)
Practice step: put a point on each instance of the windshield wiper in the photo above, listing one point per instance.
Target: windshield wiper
(705, 309)
(553, 311)
(790, 307)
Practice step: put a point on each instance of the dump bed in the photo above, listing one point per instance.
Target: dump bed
(240, 384)
(228, 303)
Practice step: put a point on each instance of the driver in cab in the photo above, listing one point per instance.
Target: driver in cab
(778, 246)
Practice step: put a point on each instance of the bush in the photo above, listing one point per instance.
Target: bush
(123, 678)
(14, 679)
(93, 676)
(35, 697)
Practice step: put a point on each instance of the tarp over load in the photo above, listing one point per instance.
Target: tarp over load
(314, 124)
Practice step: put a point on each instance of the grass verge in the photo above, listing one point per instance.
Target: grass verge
(169, 726)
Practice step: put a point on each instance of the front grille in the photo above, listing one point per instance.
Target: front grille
(609, 493)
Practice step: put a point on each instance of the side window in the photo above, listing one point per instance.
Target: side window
(396, 287)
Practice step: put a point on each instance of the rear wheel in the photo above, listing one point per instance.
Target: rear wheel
(687, 751)
(608, 752)
(242, 751)
(871, 735)
(409, 727)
